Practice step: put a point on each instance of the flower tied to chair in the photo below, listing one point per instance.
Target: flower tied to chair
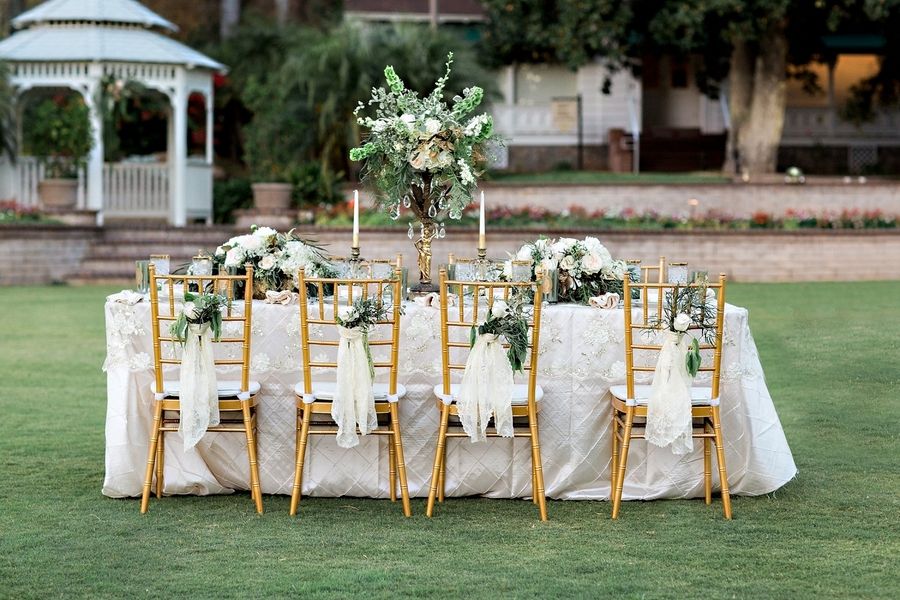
(487, 382)
(353, 403)
(198, 324)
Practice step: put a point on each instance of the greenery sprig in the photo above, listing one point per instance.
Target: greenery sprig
(685, 308)
(509, 321)
(198, 309)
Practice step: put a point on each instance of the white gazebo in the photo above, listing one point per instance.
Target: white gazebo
(78, 43)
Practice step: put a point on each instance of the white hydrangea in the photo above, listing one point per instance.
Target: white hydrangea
(432, 126)
(465, 172)
(475, 124)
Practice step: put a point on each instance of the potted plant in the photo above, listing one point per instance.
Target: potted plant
(59, 134)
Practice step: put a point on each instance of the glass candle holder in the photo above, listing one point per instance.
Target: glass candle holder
(521, 270)
(142, 276)
(161, 263)
(551, 285)
(678, 273)
(202, 264)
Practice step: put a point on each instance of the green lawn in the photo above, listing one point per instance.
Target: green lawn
(605, 177)
(832, 361)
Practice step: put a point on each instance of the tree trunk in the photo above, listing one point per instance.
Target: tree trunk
(229, 17)
(759, 136)
(282, 10)
(740, 91)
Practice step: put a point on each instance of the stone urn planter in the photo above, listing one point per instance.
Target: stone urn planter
(272, 197)
(58, 194)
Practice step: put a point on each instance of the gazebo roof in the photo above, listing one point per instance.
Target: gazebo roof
(92, 11)
(97, 31)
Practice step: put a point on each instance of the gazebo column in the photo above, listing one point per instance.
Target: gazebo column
(208, 100)
(178, 159)
(95, 159)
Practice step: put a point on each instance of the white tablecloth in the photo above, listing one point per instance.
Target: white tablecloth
(581, 356)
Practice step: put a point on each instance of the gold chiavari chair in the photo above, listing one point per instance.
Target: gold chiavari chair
(654, 273)
(526, 397)
(629, 401)
(237, 399)
(314, 397)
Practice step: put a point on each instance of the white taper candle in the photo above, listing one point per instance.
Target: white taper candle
(356, 218)
(481, 241)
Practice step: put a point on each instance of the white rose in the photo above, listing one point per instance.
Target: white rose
(346, 313)
(379, 126)
(190, 311)
(682, 322)
(563, 245)
(525, 252)
(591, 263)
(567, 263)
(507, 269)
(264, 232)
(432, 126)
(499, 310)
(267, 263)
(408, 120)
(549, 263)
(234, 257)
(220, 251)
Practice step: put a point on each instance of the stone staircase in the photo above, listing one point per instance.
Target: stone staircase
(112, 254)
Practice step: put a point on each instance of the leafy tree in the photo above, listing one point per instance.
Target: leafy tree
(7, 115)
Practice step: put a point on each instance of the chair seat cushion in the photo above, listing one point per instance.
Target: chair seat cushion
(324, 390)
(519, 395)
(227, 389)
(699, 395)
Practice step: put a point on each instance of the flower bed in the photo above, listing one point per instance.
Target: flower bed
(13, 212)
(580, 218)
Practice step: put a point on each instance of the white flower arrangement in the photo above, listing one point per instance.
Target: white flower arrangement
(423, 143)
(276, 257)
(586, 267)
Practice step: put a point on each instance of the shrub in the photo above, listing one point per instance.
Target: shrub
(59, 133)
(228, 196)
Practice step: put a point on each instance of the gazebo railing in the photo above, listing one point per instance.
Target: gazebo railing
(27, 173)
(136, 189)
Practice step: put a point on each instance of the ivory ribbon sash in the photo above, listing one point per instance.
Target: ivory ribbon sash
(669, 404)
(354, 399)
(199, 397)
(486, 389)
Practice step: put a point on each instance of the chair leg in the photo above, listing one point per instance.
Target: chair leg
(151, 457)
(536, 464)
(299, 459)
(160, 457)
(442, 481)
(707, 466)
(623, 463)
(392, 475)
(614, 462)
(397, 440)
(249, 430)
(720, 459)
(435, 471)
(534, 498)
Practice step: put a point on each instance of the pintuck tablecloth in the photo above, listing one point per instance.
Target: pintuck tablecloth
(581, 357)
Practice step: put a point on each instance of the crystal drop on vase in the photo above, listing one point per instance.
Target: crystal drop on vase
(395, 212)
(406, 201)
(432, 211)
(455, 214)
(442, 233)
(442, 203)
(409, 233)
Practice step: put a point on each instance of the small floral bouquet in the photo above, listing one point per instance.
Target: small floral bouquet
(509, 321)
(586, 268)
(197, 310)
(422, 143)
(363, 315)
(690, 307)
(276, 258)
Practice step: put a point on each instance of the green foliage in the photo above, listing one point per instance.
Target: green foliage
(197, 310)
(571, 32)
(230, 195)
(511, 322)
(58, 132)
(134, 117)
(7, 112)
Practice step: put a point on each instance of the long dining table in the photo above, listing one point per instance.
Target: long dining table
(581, 355)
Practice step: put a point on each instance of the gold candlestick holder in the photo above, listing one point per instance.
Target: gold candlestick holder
(355, 263)
(482, 265)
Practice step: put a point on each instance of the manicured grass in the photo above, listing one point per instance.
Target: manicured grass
(605, 177)
(830, 352)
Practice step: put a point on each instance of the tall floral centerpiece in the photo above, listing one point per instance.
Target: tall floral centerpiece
(423, 155)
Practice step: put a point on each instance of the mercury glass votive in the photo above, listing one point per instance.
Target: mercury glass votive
(161, 262)
(142, 276)
(551, 285)
(202, 264)
(678, 273)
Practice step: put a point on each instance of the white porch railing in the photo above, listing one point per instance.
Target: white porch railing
(136, 189)
(823, 123)
(24, 177)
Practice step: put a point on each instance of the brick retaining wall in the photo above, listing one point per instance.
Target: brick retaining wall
(40, 254)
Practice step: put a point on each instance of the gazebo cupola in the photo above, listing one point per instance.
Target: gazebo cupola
(77, 44)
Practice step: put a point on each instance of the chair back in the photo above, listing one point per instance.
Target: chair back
(650, 317)
(321, 308)
(457, 322)
(654, 273)
(164, 312)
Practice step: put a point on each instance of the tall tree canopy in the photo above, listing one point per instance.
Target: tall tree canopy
(753, 45)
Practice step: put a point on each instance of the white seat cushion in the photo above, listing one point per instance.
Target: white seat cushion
(519, 395)
(227, 389)
(324, 390)
(699, 395)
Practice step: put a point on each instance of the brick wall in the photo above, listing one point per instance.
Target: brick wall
(39, 254)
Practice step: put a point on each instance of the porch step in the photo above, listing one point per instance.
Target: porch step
(112, 256)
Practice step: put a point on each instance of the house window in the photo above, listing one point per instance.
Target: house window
(678, 73)
(650, 72)
(540, 84)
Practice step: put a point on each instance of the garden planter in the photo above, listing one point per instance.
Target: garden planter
(58, 193)
(272, 197)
